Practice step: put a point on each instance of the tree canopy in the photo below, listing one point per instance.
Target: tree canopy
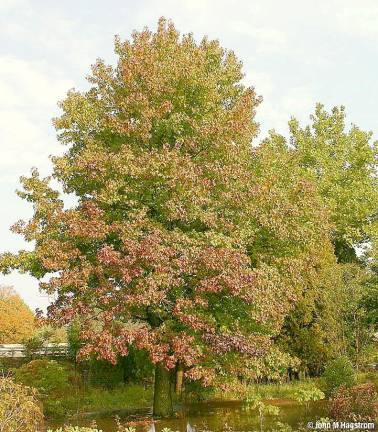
(342, 165)
(185, 241)
(16, 319)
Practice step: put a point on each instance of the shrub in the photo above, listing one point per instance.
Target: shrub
(42, 336)
(356, 403)
(306, 396)
(195, 391)
(263, 409)
(50, 378)
(338, 372)
(47, 376)
(135, 367)
(19, 408)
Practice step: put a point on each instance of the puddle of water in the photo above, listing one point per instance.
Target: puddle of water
(212, 416)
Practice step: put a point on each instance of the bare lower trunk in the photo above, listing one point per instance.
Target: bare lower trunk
(162, 392)
(179, 379)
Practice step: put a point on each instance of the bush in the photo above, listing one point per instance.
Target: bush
(19, 408)
(338, 372)
(305, 396)
(47, 376)
(356, 403)
(196, 392)
(42, 336)
(50, 378)
(136, 367)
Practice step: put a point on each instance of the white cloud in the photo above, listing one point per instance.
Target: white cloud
(358, 18)
(274, 113)
(8, 4)
(29, 92)
(22, 141)
(267, 39)
(298, 102)
(26, 84)
(262, 82)
(27, 287)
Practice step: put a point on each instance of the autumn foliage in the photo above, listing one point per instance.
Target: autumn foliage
(355, 403)
(20, 410)
(184, 241)
(16, 319)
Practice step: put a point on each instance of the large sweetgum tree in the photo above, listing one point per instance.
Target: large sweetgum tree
(182, 242)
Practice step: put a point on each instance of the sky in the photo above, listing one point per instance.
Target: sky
(295, 53)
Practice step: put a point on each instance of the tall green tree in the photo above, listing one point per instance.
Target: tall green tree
(370, 299)
(342, 164)
(311, 331)
(176, 245)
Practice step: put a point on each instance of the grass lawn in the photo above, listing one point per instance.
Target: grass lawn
(267, 391)
(123, 397)
(96, 399)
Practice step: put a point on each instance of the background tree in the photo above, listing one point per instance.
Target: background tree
(357, 328)
(42, 336)
(370, 294)
(16, 319)
(312, 331)
(342, 165)
(370, 298)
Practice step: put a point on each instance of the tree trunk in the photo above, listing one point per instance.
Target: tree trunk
(357, 342)
(179, 379)
(162, 392)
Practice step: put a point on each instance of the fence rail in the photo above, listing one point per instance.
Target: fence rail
(19, 350)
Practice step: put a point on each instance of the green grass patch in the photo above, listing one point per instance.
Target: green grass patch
(96, 399)
(369, 376)
(130, 396)
(268, 391)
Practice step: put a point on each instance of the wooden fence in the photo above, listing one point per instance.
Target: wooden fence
(19, 350)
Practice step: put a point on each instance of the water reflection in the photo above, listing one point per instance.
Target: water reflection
(189, 428)
(212, 416)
